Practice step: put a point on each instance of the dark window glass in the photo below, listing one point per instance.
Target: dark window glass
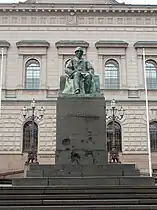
(118, 138)
(112, 75)
(151, 74)
(32, 72)
(153, 135)
(27, 135)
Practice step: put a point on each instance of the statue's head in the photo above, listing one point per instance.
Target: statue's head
(79, 52)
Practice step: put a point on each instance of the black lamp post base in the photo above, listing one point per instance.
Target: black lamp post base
(115, 161)
(32, 158)
(114, 156)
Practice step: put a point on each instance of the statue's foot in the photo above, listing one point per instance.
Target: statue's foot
(77, 91)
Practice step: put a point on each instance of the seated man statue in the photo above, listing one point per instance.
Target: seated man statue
(80, 78)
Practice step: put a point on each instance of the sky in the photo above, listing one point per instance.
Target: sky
(126, 1)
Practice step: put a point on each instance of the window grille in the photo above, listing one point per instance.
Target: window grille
(118, 138)
(153, 135)
(151, 74)
(112, 75)
(32, 74)
(27, 135)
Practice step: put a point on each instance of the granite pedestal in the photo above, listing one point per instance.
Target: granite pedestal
(81, 133)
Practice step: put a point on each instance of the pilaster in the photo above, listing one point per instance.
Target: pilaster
(123, 74)
(101, 71)
(44, 72)
(140, 70)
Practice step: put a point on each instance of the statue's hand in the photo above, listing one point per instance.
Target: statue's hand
(87, 74)
(91, 72)
(79, 69)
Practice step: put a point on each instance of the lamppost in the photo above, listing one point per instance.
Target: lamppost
(32, 153)
(114, 114)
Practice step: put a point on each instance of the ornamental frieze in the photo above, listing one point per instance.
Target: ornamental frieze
(77, 20)
(74, 1)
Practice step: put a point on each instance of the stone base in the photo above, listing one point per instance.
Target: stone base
(109, 174)
(82, 170)
(80, 130)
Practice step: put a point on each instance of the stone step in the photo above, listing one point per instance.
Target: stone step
(101, 190)
(77, 189)
(36, 170)
(71, 167)
(101, 202)
(70, 173)
(96, 180)
(82, 207)
(79, 196)
(79, 202)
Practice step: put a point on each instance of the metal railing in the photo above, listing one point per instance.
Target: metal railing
(6, 177)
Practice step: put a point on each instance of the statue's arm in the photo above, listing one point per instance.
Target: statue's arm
(90, 68)
(69, 68)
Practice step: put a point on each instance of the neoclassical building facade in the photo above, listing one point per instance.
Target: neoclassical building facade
(38, 37)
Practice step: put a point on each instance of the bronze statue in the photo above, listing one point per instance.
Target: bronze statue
(80, 78)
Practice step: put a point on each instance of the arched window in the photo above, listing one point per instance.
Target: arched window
(28, 134)
(153, 135)
(151, 74)
(118, 137)
(112, 75)
(32, 74)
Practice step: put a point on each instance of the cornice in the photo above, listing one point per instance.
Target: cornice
(73, 8)
(33, 43)
(145, 44)
(72, 43)
(110, 43)
(4, 43)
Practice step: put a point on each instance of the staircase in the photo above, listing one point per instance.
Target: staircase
(80, 188)
(78, 197)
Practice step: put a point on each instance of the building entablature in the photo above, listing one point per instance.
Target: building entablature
(72, 43)
(66, 47)
(27, 47)
(33, 43)
(145, 44)
(111, 44)
(73, 8)
(149, 46)
(4, 44)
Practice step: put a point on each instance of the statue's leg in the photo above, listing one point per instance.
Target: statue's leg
(87, 83)
(76, 78)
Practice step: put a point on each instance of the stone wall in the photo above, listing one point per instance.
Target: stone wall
(133, 125)
(11, 127)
